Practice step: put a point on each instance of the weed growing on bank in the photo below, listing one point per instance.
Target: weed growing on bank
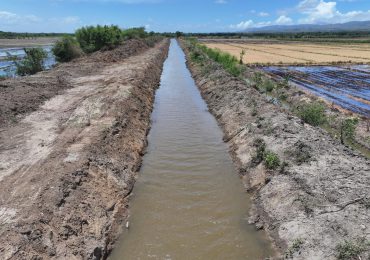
(270, 159)
(227, 61)
(313, 113)
(347, 129)
(32, 63)
(295, 247)
(352, 249)
(67, 49)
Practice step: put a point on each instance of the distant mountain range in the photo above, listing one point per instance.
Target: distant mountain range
(339, 27)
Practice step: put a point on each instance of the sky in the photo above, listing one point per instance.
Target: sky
(175, 15)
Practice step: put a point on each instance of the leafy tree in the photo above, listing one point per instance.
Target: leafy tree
(179, 34)
(67, 49)
(32, 63)
(94, 38)
(134, 33)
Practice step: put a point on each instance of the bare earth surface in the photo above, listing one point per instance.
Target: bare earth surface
(67, 169)
(319, 199)
(275, 52)
(41, 41)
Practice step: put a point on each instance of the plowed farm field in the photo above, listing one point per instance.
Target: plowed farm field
(294, 52)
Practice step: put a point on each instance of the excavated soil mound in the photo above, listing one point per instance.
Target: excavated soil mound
(68, 168)
(22, 95)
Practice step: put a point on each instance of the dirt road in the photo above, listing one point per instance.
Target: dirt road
(317, 200)
(67, 169)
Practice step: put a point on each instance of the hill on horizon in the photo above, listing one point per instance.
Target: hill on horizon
(339, 27)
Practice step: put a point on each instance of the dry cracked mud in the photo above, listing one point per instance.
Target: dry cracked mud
(68, 165)
(318, 198)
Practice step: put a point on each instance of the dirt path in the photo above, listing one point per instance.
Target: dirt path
(67, 169)
(319, 196)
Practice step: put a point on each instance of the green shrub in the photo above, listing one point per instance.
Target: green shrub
(313, 114)
(351, 250)
(295, 247)
(242, 53)
(196, 56)
(67, 49)
(347, 129)
(32, 63)
(227, 61)
(134, 33)
(94, 38)
(152, 40)
(179, 34)
(272, 160)
(268, 85)
(260, 145)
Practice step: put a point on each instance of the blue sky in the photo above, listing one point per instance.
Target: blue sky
(172, 15)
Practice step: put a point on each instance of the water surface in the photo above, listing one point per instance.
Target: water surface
(7, 67)
(189, 202)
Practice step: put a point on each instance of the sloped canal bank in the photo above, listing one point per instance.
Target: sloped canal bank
(310, 192)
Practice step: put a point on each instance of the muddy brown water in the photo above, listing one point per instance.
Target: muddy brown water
(188, 202)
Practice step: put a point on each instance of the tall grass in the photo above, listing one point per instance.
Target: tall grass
(227, 61)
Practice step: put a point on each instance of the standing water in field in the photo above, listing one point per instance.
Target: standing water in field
(7, 66)
(188, 202)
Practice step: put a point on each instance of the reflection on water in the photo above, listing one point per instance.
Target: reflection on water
(7, 67)
(188, 202)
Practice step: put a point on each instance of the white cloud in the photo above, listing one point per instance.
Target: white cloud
(117, 1)
(31, 23)
(243, 25)
(319, 11)
(263, 14)
(220, 2)
(71, 20)
(283, 20)
(12, 18)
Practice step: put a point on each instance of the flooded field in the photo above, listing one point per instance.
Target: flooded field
(7, 67)
(348, 87)
(188, 201)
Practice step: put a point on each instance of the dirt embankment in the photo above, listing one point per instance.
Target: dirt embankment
(317, 198)
(67, 169)
(22, 95)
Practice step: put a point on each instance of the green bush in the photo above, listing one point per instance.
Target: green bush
(313, 114)
(94, 38)
(272, 160)
(67, 49)
(228, 62)
(352, 250)
(260, 145)
(347, 129)
(268, 85)
(32, 63)
(134, 33)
